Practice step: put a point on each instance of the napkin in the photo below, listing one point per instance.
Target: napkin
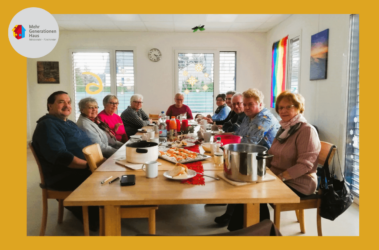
(134, 166)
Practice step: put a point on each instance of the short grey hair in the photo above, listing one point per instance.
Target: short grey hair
(109, 97)
(230, 92)
(83, 102)
(179, 94)
(136, 97)
(237, 94)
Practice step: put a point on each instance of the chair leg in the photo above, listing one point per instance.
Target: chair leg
(277, 216)
(44, 213)
(301, 220)
(297, 215)
(319, 228)
(101, 222)
(85, 221)
(152, 221)
(60, 211)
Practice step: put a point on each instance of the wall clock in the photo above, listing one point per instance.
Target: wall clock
(154, 55)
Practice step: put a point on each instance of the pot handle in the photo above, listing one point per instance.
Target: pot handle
(141, 151)
(261, 157)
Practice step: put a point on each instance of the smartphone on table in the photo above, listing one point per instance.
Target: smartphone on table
(128, 180)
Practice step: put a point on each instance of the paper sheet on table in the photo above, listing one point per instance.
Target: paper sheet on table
(134, 166)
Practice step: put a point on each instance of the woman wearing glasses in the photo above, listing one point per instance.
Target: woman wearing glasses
(98, 131)
(114, 121)
(134, 117)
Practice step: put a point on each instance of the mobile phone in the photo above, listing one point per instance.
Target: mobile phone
(128, 180)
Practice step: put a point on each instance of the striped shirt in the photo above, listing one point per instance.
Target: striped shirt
(134, 120)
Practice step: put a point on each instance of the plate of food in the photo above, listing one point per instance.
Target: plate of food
(181, 144)
(179, 172)
(181, 155)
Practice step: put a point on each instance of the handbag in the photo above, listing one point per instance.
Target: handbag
(335, 194)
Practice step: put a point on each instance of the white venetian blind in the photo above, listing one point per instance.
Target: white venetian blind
(227, 71)
(124, 78)
(294, 65)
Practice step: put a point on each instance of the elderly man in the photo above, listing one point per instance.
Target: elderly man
(58, 143)
(179, 108)
(228, 99)
(237, 108)
(258, 127)
(134, 117)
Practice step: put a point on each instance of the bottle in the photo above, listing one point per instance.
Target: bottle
(219, 144)
(214, 127)
(173, 131)
(162, 126)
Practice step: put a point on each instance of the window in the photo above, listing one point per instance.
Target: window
(93, 77)
(195, 80)
(227, 71)
(352, 130)
(294, 65)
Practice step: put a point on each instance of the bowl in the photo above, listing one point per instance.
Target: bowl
(206, 146)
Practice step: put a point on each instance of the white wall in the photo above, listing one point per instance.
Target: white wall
(325, 100)
(155, 81)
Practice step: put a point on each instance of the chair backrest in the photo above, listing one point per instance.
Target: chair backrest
(325, 148)
(38, 163)
(154, 116)
(93, 155)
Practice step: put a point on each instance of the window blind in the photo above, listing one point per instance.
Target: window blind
(227, 71)
(294, 65)
(124, 78)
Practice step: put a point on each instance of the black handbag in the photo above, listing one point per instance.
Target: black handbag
(335, 194)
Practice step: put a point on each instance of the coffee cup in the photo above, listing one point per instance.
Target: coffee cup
(151, 169)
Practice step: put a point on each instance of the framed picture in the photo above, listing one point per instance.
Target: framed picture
(319, 55)
(48, 72)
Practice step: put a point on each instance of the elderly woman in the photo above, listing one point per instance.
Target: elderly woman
(295, 148)
(179, 108)
(109, 116)
(222, 110)
(134, 117)
(98, 131)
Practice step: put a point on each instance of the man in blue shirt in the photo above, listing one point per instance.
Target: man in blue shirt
(58, 143)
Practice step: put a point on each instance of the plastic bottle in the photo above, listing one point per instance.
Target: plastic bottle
(219, 144)
(162, 125)
(173, 132)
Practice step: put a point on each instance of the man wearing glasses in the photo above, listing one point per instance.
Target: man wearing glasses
(134, 117)
(237, 107)
(179, 108)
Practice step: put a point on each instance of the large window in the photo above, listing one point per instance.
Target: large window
(94, 77)
(201, 76)
(352, 130)
(294, 65)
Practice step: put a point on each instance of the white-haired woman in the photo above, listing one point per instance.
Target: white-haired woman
(109, 116)
(134, 117)
(98, 131)
(179, 108)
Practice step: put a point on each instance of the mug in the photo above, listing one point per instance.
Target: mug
(151, 134)
(151, 169)
(207, 136)
(135, 138)
(154, 140)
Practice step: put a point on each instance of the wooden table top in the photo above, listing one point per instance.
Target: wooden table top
(160, 190)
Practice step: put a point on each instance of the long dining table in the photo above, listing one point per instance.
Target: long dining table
(163, 191)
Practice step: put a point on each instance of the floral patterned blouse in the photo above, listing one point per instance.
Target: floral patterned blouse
(260, 130)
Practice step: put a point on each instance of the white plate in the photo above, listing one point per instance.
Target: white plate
(191, 173)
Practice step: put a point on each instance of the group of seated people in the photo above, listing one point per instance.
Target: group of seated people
(295, 144)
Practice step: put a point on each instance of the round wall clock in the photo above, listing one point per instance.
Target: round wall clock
(154, 55)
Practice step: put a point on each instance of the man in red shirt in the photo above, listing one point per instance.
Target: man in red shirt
(179, 108)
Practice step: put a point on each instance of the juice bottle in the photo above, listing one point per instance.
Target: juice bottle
(173, 123)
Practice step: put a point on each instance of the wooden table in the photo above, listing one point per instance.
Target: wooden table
(162, 191)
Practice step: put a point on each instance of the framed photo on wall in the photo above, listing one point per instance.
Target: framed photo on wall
(319, 55)
(48, 72)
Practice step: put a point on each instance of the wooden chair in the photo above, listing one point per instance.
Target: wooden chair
(312, 201)
(95, 158)
(49, 194)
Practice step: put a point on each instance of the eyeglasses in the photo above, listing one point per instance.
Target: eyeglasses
(237, 103)
(113, 103)
(286, 107)
(94, 107)
(179, 99)
(138, 102)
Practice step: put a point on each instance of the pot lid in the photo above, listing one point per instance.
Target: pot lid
(142, 144)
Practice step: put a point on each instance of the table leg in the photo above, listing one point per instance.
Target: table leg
(251, 214)
(112, 220)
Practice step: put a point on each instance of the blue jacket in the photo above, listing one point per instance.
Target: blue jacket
(224, 112)
(263, 128)
(56, 142)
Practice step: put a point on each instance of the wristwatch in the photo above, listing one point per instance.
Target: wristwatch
(281, 177)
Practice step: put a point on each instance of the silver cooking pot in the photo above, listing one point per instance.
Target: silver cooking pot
(244, 162)
(141, 152)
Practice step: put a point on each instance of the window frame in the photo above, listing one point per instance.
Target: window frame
(112, 65)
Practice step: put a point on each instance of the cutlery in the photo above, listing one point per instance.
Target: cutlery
(216, 178)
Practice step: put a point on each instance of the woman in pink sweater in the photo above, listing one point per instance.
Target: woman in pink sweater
(109, 116)
(295, 148)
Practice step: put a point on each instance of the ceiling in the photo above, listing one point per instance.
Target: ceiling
(169, 22)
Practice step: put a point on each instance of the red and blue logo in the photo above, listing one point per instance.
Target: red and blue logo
(18, 32)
